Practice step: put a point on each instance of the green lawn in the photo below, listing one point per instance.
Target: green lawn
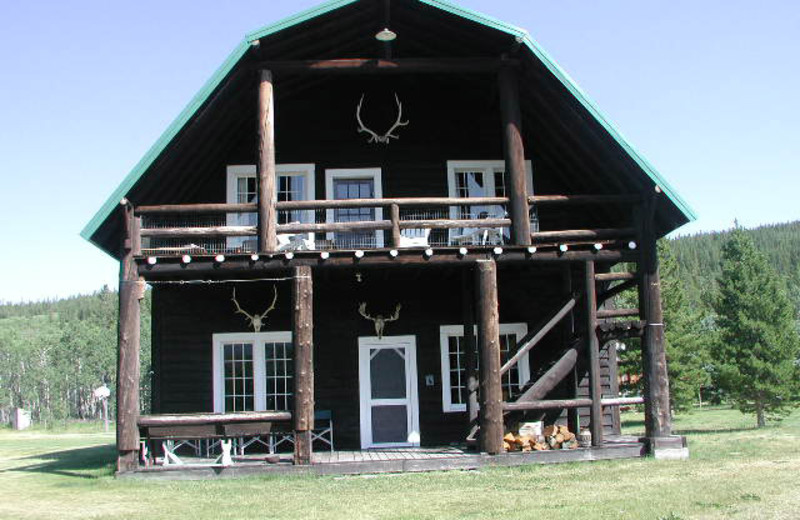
(735, 472)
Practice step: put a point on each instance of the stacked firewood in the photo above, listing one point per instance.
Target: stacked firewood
(554, 437)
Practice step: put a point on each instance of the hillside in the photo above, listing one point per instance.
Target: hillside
(699, 258)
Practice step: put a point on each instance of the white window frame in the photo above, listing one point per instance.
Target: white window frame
(488, 168)
(235, 172)
(258, 340)
(355, 173)
(447, 331)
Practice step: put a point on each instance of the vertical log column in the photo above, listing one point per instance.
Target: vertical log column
(267, 220)
(302, 337)
(470, 360)
(593, 350)
(491, 395)
(568, 331)
(514, 150)
(658, 422)
(131, 291)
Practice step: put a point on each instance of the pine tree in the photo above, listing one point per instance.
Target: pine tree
(687, 352)
(757, 351)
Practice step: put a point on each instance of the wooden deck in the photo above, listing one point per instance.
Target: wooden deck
(388, 461)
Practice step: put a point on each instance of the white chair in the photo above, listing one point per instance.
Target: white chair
(295, 242)
(415, 237)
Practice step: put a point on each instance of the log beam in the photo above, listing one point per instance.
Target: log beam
(593, 351)
(491, 395)
(302, 337)
(131, 291)
(514, 151)
(388, 66)
(550, 379)
(267, 217)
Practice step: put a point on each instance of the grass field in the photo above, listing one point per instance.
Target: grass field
(735, 472)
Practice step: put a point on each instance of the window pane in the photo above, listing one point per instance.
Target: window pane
(389, 424)
(279, 364)
(238, 376)
(387, 374)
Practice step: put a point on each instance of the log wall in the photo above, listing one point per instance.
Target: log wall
(185, 317)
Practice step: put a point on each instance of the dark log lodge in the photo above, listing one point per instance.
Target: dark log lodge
(498, 201)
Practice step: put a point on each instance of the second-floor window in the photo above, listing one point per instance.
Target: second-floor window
(292, 182)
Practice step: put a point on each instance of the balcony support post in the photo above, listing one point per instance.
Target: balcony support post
(514, 151)
(267, 219)
(131, 292)
(491, 393)
(303, 337)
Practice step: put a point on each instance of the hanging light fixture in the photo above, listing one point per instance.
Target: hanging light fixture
(386, 35)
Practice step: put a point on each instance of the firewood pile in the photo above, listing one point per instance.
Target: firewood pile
(552, 437)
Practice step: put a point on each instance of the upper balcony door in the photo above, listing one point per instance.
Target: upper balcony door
(292, 182)
(474, 179)
(364, 183)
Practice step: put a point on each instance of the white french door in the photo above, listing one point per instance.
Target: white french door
(388, 388)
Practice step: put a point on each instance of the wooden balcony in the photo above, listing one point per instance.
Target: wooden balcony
(357, 225)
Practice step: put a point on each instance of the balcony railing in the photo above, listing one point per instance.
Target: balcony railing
(357, 224)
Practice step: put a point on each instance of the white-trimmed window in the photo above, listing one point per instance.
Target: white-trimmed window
(472, 179)
(253, 371)
(362, 183)
(451, 341)
(292, 182)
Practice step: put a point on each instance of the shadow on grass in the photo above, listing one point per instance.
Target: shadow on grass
(714, 431)
(639, 425)
(87, 463)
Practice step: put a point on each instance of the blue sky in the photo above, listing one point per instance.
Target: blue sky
(707, 91)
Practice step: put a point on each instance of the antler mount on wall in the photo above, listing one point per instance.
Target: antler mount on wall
(380, 320)
(388, 136)
(256, 320)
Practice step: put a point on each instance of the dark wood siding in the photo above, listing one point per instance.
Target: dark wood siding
(186, 317)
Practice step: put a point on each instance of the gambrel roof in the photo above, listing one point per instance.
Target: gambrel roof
(334, 20)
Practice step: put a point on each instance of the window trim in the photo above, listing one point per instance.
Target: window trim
(236, 171)
(447, 331)
(258, 339)
(485, 167)
(375, 174)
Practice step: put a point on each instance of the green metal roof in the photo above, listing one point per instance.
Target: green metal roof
(522, 35)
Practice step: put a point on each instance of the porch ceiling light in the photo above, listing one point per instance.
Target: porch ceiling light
(386, 35)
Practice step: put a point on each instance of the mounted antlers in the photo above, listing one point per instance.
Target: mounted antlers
(388, 136)
(380, 320)
(256, 320)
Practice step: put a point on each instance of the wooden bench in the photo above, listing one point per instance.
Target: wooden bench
(174, 431)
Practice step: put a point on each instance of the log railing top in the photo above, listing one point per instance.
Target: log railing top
(384, 202)
(584, 199)
(212, 418)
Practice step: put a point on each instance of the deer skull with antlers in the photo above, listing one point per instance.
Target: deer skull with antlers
(256, 320)
(388, 136)
(380, 320)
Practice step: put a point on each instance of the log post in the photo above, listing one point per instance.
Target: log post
(394, 216)
(267, 220)
(658, 422)
(131, 291)
(568, 332)
(593, 350)
(491, 394)
(514, 151)
(303, 339)
(470, 361)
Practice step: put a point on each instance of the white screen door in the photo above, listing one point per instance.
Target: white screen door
(388, 387)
